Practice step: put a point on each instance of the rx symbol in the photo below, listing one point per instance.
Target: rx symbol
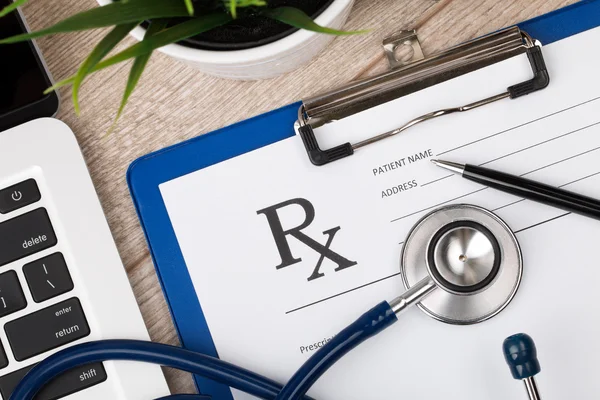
(280, 235)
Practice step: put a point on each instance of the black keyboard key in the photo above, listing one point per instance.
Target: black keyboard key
(3, 358)
(24, 235)
(11, 294)
(19, 195)
(70, 382)
(47, 329)
(48, 277)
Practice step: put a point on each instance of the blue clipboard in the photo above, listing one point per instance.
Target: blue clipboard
(148, 172)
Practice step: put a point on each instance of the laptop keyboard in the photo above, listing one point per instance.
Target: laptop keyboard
(56, 323)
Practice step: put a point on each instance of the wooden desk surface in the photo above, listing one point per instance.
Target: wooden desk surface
(175, 102)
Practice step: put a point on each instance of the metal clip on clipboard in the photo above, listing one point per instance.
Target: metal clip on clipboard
(408, 77)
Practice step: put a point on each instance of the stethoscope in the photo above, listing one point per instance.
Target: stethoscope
(460, 264)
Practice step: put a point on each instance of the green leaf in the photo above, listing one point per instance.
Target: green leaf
(190, 7)
(137, 68)
(12, 7)
(100, 51)
(116, 13)
(298, 19)
(59, 84)
(233, 8)
(234, 4)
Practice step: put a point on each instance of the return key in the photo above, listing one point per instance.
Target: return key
(47, 329)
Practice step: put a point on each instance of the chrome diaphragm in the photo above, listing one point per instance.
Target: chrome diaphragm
(471, 254)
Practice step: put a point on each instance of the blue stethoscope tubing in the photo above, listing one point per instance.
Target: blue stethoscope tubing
(369, 324)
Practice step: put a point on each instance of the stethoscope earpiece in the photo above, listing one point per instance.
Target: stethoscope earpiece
(520, 354)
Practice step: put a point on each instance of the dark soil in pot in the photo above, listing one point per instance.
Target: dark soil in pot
(251, 30)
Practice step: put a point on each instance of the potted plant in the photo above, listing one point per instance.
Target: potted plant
(255, 46)
(246, 39)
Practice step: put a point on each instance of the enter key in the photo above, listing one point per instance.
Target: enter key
(47, 329)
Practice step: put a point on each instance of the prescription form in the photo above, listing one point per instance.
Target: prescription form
(283, 254)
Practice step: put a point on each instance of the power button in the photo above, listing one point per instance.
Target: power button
(19, 195)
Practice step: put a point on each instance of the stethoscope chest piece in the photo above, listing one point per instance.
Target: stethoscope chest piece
(471, 254)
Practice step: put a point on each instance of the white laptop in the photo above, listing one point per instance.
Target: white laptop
(61, 279)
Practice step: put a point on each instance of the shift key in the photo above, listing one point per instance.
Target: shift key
(47, 329)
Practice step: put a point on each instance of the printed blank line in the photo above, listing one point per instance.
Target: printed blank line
(580, 179)
(508, 205)
(342, 293)
(526, 173)
(519, 126)
(542, 223)
(437, 180)
(439, 204)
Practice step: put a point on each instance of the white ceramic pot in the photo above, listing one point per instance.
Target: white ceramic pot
(265, 61)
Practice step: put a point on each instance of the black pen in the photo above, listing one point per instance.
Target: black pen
(526, 188)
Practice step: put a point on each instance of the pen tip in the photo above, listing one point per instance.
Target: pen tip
(451, 166)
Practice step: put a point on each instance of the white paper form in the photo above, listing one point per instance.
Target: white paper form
(283, 254)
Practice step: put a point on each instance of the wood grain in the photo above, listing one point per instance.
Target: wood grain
(175, 102)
